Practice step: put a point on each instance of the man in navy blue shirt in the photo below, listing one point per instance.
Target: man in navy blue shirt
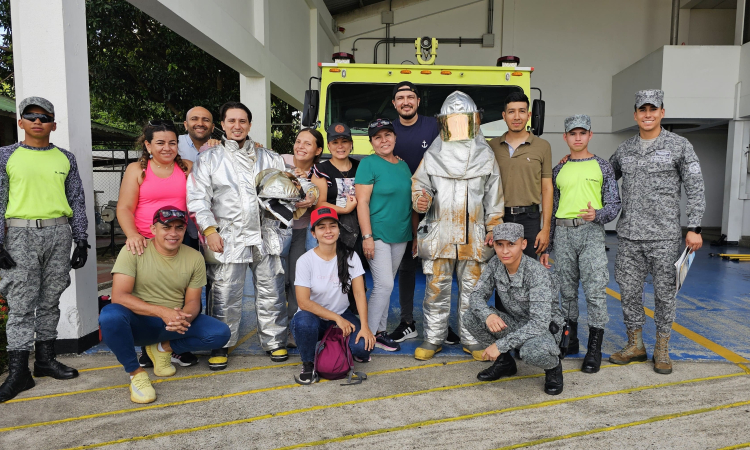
(415, 133)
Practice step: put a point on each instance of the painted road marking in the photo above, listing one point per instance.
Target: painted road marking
(693, 336)
(236, 394)
(481, 414)
(158, 380)
(402, 395)
(628, 425)
(732, 447)
(99, 368)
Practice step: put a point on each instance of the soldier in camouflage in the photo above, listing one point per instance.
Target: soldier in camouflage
(585, 198)
(653, 165)
(533, 322)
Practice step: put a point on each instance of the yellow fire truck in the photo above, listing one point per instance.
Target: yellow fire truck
(356, 94)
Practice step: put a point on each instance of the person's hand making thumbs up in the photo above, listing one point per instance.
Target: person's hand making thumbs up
(423, 202)
(589, 214)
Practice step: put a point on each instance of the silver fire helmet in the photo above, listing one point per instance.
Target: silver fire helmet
(459, 118)
(278, 191)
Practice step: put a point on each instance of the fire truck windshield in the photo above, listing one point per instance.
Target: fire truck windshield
(356, 104)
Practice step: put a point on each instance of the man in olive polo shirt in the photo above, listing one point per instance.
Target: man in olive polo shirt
(526, 171)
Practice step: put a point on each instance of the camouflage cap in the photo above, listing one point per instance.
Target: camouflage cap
(507, 231)
(649, 97)
(36, 101)
(578, 121)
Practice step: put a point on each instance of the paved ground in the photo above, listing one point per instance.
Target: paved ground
(403, 404)
(409, 404)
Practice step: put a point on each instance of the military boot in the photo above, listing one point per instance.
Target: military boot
(634, 351)
(593, 359)
(47, 366)
(19, 376)
(553, 380)
(574, 345)
(662, 363)
(504, 366)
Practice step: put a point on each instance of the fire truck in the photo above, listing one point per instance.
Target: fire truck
(356, 94)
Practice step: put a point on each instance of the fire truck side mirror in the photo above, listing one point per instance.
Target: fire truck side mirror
(537, 117)
(310, 110)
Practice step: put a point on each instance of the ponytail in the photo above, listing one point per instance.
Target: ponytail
(343, 253)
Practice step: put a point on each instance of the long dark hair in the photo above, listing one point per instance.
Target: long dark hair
(319, 141)
(343, 253)
(147, 134)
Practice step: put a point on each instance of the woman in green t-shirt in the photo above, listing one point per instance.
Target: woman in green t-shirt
(383, 191)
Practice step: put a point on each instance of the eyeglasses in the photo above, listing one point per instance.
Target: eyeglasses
(377, 123)
(44, 118)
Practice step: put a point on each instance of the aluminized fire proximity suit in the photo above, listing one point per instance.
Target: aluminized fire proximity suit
(221, 192)
(462, 180)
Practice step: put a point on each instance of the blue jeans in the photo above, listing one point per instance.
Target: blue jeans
(122, 330)
(308, 329)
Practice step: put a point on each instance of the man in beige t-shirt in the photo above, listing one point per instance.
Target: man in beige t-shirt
(156, 301)
(526, 171)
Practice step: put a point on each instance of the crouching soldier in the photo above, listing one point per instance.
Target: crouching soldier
(533, 322)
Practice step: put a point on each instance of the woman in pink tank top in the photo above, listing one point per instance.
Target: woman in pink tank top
(156, 180)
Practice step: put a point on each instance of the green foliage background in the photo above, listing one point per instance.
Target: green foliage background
(140, 70)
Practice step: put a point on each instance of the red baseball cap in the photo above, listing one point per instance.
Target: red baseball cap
(168, 214)
(322, 213)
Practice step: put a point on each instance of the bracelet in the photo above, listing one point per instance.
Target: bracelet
(366, 236)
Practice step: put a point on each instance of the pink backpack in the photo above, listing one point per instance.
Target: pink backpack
(333, 358)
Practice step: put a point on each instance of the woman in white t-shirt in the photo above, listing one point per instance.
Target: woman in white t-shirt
(324, 277)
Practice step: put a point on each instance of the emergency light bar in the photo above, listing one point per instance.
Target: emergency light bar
(508, 61)
(343, 58)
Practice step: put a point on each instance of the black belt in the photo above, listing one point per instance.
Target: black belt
(515, 210)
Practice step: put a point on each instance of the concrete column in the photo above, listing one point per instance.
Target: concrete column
(255, 92)
(50, 61)
(736, 179)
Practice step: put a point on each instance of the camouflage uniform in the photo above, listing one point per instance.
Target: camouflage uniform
(649, 232)
(580, 250)
(530, 297)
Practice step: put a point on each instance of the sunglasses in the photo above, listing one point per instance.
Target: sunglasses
(167, 213)
(379, 123)
(32, 117)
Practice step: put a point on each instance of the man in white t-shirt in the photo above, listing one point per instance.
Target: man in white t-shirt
(323, 298)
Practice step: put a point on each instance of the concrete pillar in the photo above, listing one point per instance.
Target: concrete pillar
(736, 179)
(255, 93)
(50, 61)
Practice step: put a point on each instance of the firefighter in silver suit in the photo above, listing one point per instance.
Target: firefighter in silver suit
(458, 186)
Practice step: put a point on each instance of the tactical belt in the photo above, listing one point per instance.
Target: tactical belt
(36, 223)
(515, 210)
(569, 222)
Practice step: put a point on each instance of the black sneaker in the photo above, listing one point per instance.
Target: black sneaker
(452, 337)
(383, 341)
(186, 359)
(307, 375)
(144, 360)
(404, 331)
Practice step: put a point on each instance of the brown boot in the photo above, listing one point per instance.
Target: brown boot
(662, 364)
(634, 351)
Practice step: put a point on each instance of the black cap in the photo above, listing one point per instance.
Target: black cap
(405, 86)
(379, 124)
(338, 130)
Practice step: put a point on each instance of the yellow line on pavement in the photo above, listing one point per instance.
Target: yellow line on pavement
(99, 368)
(732, 447)
(329, 406)
(158, 380)
(628, 425)
(242, 341)
(693, 336)
(489, 413)
(217, 397)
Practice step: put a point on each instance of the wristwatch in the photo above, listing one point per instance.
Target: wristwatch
(696, 230)
(366, 236)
